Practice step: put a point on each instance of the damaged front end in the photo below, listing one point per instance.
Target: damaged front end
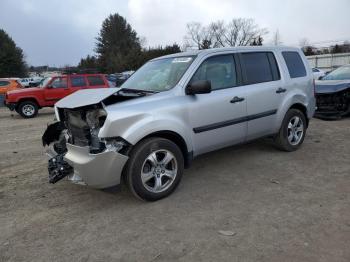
(77, 152)
(333, 105)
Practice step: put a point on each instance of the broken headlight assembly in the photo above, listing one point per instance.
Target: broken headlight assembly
(95, 120)
(116, 144)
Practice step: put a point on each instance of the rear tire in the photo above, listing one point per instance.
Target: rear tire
(292, 132)
(154, 169)
(27, 109)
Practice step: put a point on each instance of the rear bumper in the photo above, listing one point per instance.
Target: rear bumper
(100, 170)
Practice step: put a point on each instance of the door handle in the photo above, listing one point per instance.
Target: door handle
(237, 99)
(281, 90)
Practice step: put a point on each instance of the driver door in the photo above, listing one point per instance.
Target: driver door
(57, 89)
(218, 118)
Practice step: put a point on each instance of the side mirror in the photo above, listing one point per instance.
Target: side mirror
(198, 87)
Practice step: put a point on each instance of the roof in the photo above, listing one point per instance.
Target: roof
(82, 74)
(230, 49)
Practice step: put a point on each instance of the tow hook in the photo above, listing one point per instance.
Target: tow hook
(58, 168)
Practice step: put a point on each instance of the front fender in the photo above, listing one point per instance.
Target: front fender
(135, 127)
(23, 98)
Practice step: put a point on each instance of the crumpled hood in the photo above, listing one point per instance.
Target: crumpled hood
(331, 86)
(86, 97)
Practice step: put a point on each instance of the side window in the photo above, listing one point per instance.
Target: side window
(59, 82)
(219, 70)
(95, 81)
(4, 83)
(259, 67)
(78, 81)
(295, 64)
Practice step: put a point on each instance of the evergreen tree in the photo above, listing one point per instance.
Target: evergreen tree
(12, 62)
(118, 45)
(90, 62)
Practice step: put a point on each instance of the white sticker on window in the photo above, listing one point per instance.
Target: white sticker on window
(182, 60)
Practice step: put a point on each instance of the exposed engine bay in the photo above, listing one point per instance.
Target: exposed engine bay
(80, 127)
(333, 105)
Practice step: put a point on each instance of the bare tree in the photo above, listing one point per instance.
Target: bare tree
(304, 42)
(242, 32)
(276, 38)
(198, 36)
(143, 42)
(218, 31)
(239, 32)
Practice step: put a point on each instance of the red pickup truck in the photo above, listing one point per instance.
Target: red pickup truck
(28, 101)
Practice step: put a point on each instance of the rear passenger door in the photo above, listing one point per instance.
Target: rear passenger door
(77, 83)
(265, 92)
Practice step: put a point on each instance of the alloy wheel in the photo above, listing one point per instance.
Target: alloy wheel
(295, 130)
(159, 171)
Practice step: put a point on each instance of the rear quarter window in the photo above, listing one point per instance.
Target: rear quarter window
(95, 81)
(295, 64)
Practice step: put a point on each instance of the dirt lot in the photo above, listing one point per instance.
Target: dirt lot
(279, 206)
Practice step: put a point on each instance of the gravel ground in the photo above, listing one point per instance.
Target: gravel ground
(243, 203)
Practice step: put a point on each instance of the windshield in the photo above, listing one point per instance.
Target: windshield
(159, 75)
(44, 82)
(341, 73)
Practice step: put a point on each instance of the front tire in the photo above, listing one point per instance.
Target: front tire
(154, 169)
(28, 109)
(292, 132)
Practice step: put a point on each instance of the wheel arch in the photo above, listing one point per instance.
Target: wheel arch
(32, 99)
(301, 108)
(177, 139)
(294, 100)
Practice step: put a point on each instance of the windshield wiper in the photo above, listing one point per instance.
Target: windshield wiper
(137, 91)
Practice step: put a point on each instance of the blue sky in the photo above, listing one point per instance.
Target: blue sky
(60, 32)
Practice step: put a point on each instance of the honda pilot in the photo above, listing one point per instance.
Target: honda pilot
(175, 108)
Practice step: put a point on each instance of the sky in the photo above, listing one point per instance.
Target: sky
(60, 32)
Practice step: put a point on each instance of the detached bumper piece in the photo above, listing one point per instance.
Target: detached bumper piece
(58, 169)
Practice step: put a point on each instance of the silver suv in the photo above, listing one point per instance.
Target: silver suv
(175, 108)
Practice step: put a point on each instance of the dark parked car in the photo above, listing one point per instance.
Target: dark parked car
(333, 94)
